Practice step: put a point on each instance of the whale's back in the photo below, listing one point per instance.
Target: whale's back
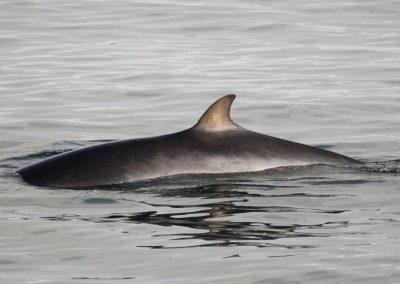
(214, 145)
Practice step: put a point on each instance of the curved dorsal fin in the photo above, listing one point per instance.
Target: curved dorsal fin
(217, 117)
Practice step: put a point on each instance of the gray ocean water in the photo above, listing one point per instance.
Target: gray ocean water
(326, 73)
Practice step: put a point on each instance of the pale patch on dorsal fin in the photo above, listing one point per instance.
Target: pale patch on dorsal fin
(217, 117)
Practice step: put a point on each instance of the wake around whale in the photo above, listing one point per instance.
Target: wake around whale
(214, 145)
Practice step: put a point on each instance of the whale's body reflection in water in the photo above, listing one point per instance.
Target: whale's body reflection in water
(230, 211)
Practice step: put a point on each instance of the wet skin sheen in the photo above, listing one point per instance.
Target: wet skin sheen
(214, 145)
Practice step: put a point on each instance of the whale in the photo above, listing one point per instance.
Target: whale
(214, 145)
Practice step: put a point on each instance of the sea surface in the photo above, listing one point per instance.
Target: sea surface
(325, 73)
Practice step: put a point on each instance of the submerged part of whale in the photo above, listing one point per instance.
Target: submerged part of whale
(214, 145)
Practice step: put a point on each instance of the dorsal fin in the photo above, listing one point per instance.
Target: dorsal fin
(217, 117)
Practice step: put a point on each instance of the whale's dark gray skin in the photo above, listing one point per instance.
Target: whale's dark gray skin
(214, 145)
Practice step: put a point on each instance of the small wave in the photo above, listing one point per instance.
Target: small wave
(38, 155)
(323, 146)
(103, 278)
(390, 166)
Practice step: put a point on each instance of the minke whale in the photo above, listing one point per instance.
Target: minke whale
(214, 145)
